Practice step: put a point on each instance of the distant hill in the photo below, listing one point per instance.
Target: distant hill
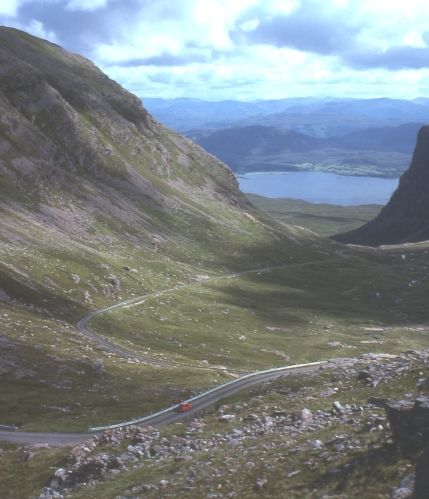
(346, 136)
(401, 139)
(185, 114)
(258, 148)
(337, 118)
(405, 218)
(232, 144)
(326, 117)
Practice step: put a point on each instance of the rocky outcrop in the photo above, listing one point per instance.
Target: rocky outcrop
(409, 420)
(67, 130)
(409, 423)
(240, 426)
(405, 218)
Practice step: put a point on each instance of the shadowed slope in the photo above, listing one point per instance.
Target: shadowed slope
(405, 218)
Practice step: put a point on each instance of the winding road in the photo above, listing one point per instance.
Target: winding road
(83, 324)
(169, 415)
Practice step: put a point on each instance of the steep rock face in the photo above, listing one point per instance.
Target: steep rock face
(405, 218)
(61, 119)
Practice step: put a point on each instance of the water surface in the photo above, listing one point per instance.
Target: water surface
(319, 187)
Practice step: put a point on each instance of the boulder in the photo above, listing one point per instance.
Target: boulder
(306, 416)
(409, 420)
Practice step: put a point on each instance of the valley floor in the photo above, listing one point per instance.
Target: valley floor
(363, 301)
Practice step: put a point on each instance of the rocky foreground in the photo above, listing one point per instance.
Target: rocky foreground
(358, 427)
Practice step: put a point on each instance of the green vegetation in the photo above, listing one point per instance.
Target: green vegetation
(25, 471)
(291, 466)
(288, 462)
(327, 300)
(301, 312)
(56, 381)
(324, 219)
(100, 204)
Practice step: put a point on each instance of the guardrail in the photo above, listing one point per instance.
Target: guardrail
(203, 395)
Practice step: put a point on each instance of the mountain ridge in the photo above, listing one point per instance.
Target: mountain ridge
(82, 161)
(404, 218)
(318, 117)
(379, 151)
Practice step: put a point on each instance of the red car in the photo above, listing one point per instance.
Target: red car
(184, 407)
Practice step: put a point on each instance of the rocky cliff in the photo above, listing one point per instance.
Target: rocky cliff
(92, 186)
(62, 118)
(405, 218)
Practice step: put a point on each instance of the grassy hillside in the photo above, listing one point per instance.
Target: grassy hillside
(100, 203)
(323, 219)
(105, 205)
(277, 452)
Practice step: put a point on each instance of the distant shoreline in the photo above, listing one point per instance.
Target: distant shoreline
(319, 187)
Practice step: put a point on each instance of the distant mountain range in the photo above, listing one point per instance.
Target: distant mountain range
(327, 117)
(346, 136)
(336, 118)
(187, 114)
(382, 152)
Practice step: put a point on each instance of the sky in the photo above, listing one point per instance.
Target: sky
(242, 49)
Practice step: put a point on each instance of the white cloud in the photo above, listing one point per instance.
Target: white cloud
(37, 28)
(9, 8)
(202, 47)
(249, 25)
(237, 69)
(280, 7)
(162, 27)
(414, 39)
(388, 23)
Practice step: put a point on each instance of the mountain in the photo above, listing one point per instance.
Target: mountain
(338, 117)
(233, 145)
(405, 217)
(82, 162)
(399, 139)
(99, 203)
(258, 148)
(327, 117)
(344, 136)
(390, 109)
(135, 274)
(184, 114)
